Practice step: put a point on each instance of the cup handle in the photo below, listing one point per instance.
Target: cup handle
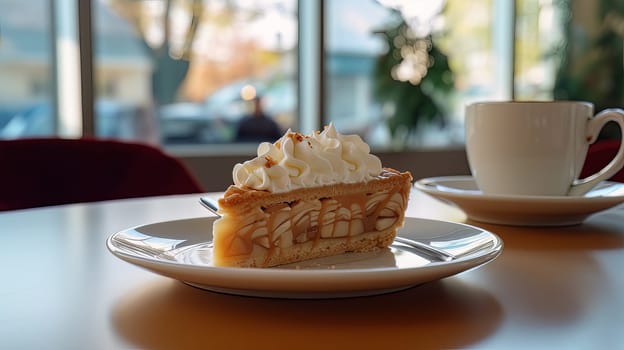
(582, 186)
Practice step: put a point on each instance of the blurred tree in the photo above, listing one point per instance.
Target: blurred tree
(592, 66)
(169, 70)
(413, 77)
(168, 31)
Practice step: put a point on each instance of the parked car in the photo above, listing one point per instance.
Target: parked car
(34, 120)
(279, 100)
(113, 119)
(189, 122)
(215, 120)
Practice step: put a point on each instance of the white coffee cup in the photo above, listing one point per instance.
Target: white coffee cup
(536, 148)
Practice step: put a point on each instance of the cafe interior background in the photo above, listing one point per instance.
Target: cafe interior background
(181, 73)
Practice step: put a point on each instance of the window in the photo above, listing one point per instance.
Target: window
(399, 73)
(184, 72)
(539, 35)
(26, 69)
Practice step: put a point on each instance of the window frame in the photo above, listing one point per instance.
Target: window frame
(311, 60)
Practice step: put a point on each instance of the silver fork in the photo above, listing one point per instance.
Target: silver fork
(420, 247)
(210, 204)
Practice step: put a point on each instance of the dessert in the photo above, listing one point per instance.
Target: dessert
(308, 196)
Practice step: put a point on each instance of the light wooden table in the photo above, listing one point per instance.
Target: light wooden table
(61, 289)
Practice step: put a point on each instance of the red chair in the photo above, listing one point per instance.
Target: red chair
(599, 155)
(52, 171)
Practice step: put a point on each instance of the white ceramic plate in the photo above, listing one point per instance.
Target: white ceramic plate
(462, 191)
(182, 250)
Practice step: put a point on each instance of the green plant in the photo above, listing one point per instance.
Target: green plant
(591, 67)
(413, 77)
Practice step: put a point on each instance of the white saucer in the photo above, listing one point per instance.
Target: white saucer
(182, 250)
(462, 191)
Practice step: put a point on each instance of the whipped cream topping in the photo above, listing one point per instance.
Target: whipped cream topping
(298, 161)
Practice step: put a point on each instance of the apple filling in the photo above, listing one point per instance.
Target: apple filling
(280, 226)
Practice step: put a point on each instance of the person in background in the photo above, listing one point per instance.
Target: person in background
(257, 126)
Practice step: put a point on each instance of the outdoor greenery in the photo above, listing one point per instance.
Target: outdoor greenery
(591, 67)
(413, 77)
(169, 72)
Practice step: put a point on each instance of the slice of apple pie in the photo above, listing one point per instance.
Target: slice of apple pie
(309, 196)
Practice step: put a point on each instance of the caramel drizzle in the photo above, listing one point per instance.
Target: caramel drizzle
(267, 220)
(269, 162)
